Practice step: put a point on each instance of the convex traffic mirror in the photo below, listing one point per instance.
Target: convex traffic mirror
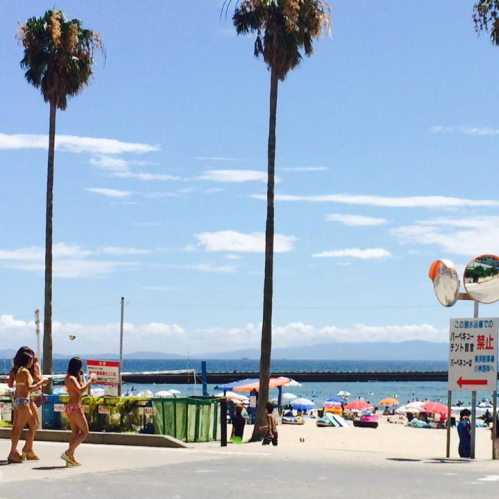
(481, 278)
(445, 281)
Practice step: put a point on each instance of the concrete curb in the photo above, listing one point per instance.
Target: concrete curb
(106, 438)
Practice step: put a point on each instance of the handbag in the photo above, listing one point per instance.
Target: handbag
(40, 400)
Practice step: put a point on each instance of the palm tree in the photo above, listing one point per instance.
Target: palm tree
(486, 18)
(58, 59)
(284, 30)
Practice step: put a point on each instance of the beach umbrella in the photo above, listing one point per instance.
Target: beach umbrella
(233, 396)
(415, 406)
(302, 404)
(435, 407)
(343, 393)
(483, 405)
(145, 393)
(289, 396)
(292, 382)
(358, 405)
(164, 394)
(175, 392)
(335, 399)
(329, 405)
(388, 401)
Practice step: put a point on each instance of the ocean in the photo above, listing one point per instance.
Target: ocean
(372, 391)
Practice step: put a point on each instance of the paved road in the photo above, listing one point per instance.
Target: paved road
(242, 472)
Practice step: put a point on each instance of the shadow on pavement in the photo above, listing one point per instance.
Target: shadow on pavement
(445, 460)
(43, 468)
(403, 459)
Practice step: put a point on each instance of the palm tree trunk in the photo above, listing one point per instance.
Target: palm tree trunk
(266, 344)
(47, 316)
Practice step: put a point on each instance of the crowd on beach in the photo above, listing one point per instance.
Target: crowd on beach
(26, 380)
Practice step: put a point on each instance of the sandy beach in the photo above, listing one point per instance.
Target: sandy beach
(398, 440)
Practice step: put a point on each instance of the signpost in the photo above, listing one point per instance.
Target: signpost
(473, 354)
(472, 342)
(107, 373)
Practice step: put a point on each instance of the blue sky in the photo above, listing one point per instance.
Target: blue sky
(387, 149)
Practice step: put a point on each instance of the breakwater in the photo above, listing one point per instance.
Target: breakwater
(301, 376)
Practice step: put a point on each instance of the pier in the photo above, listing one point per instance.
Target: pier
(301, 376)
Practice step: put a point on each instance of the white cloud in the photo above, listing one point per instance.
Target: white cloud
(72, 143)
(467, 130)
(389, 202)
(113, 164)
(305, 168)
(363, 254)
(230, 240)
(111, 193)
(151, 336)
(144, 176)
(70, 261)
(208, 267)
(234, 176)
(355, 220)
(115, 250)
(461, 236)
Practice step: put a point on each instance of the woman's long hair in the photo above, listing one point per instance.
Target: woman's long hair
(19, 358)
(74, 368)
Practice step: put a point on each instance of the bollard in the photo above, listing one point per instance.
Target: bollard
(223, 422)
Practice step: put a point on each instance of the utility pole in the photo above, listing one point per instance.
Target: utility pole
(121, 341)
(37, 324)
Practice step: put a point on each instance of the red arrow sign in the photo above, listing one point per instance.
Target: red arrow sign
(462, 381)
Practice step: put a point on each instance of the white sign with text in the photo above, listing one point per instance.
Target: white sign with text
(473, 354)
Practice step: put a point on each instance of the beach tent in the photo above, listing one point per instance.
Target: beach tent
(233, 396)
(230, 386)
(255, 385)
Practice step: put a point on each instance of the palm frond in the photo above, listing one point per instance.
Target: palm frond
(58, 55)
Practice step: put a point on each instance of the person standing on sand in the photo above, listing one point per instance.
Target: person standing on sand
(74, 410)
(464, 431)
(271, 426)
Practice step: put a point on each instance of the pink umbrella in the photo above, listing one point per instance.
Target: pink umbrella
(435, 407)
(358, 404)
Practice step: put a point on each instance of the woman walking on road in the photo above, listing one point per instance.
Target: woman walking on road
(24, 383)
(74, 410)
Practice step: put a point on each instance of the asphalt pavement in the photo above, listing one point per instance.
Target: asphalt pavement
(242, 472)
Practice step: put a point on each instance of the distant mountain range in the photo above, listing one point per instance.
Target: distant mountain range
(405, 350)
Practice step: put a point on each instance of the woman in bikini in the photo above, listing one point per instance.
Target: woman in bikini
(74, 410)
(27, 452)
(22, 407)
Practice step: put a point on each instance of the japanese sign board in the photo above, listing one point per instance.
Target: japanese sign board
(473, 354)
(107, 371)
